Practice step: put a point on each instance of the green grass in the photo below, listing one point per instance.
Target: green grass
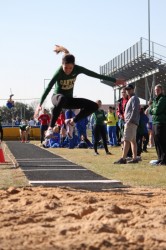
(12, 177)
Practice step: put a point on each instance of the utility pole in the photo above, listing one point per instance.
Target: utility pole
(149, 24)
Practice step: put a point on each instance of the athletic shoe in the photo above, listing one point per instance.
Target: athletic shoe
(49, 133)
(69, 128)
(128, 158)
(133, 161)
(108, 153)
(96, 153)
(139, 158)
(154, 162)
(161, 164)
(120, 161)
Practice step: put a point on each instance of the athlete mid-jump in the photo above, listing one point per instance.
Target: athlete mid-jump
(64, 81)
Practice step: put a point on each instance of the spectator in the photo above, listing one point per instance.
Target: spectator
(32, 122)
(54, 141)
(120, 112)
(24, 131)
(131, 117)
(61, 120)
(158, 112)
(17, 121)
(44, 120)
(81, 127)
(142, 137)
(121, 109)
(149, 125)
(91, 122)
(112, 119)
(99, 128)
(69, 114)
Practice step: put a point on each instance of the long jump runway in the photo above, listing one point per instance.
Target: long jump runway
(42, 167)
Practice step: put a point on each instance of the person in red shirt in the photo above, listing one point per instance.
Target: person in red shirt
(121, 109)
(61, 120)
(44, 120)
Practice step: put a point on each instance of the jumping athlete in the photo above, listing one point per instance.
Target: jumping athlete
(64, 80)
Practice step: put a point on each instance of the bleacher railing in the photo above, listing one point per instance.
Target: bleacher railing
(139, 50)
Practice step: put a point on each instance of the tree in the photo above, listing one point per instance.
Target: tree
(21, 110)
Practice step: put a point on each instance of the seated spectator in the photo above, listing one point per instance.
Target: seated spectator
(84, 143)
(54, 141)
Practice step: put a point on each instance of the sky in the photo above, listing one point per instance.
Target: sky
(95, 31)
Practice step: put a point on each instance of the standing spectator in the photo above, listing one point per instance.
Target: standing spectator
(121, 109)
(99, 128)
(32, 122)
(91, 122)
(158, 112)
(120, 112)
(61, 125)
(17, 121)
(69, 114)
(1, 129)
(131, 117)
(149, 125)
(81, 127)
(112, 119)
(142, 133)
(44, 120)
(24, 131)
(61, 121)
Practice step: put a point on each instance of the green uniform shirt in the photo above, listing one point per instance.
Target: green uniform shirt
(158, 109)
(23, 127)
(99, 117)
(64, 84)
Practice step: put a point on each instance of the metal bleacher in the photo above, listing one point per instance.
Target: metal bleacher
(139, 65)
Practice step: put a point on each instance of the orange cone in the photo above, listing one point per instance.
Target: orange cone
(2, 158)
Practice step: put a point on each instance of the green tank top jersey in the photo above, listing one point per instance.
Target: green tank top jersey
(64, 84)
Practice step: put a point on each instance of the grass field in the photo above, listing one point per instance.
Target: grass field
(135, 175)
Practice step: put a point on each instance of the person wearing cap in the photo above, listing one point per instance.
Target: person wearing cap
(131, 118)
